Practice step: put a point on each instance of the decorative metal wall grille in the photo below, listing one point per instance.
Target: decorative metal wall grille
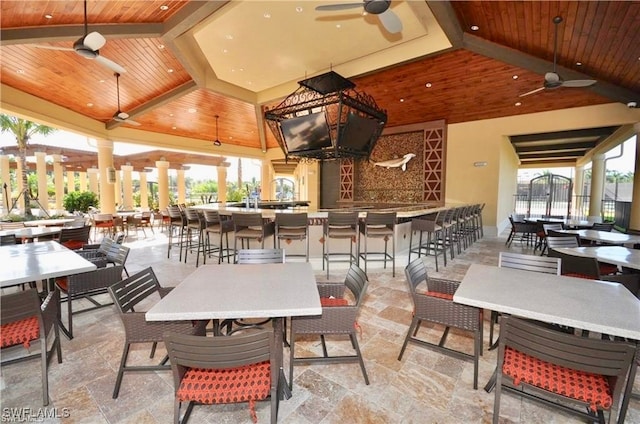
(346, 179)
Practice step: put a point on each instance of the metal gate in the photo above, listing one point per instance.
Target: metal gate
(550, 196)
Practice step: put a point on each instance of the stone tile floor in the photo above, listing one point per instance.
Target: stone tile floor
(425, 387)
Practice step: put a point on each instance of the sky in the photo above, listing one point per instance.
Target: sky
(250, 167)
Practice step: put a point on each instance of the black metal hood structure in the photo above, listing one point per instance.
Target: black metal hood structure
(326, 118)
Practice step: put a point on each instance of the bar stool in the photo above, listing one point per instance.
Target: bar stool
(293, 226)
(250, 226)
(428, 224)
(340, 225)
(379, 225)
(221, 229)
(194, 230)
(177, 224)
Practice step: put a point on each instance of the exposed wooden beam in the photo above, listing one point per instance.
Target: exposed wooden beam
(587, 132)
(73, 32)
(448, 21)
(552, 147)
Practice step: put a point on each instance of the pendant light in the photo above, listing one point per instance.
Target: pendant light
(217, 142)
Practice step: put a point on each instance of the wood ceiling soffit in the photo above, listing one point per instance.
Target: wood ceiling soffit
(540, 66)
(190, 15)
(72, 33)
(165, 98)
(588, 132)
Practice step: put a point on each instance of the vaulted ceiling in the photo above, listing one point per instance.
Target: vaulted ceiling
(187, 62)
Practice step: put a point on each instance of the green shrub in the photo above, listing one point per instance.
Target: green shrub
(77, 201)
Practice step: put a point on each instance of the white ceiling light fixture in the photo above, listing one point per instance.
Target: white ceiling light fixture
(475, 27)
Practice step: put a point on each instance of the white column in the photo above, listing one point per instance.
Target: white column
(105, 162)
(163, 183)
(117, 189)
(58, 179)
(634, 222)
(82, 181)
(144, 191)
(181, 185)
(71, 181)
(41, 172)
(127, 187)
(5, 178)
(267, 175)
(222, 184)
(94, 174)
(597, 186)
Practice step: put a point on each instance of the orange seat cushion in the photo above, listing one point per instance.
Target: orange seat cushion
(73, 244)
(578, 275)
(607, 269)
(62, 283)
(333, 301)
(591, 388)
(23, 331)
(212, 386)
(439, 295)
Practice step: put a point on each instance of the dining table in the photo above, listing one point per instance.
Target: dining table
(592, 305)
(31, 233)
(232, 291)
(605, 237)
(46, 260)
(615, 255)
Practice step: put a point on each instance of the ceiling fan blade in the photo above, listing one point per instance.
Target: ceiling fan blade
(110, 64)
(531, 92)
(132, 122)
(390, 21)
(578, 83)
(94, 41)
(343, 6)
(66, 49)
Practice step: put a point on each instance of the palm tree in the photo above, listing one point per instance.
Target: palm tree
(22, 131)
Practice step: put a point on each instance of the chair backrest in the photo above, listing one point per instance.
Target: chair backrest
(577, 266)
(7, 240)
(20, 305)
(102, 217)
(377, 219)
(193, 216)
(76, 223)
(342, 219)
(127, 293)
(75, 234)
(292, 220)
(425, 222)
(543, 264)
(601, 357)
(603, 226)
(118, 254)
(261, 256)
(244, 220)
(98, 279)
(211, 217)
(357, 281)
(11, 225)
(552, 226)
(553, 242)
(416, 273)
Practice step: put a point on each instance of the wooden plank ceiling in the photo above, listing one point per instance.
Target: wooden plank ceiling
(480, 77)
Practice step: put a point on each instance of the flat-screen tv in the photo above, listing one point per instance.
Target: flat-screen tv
(359, 133)
(305, 133)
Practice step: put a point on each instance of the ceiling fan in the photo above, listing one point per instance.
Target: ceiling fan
(217, 141)
(121, 116)
(388, 18)
(552, 79)
(89, 45)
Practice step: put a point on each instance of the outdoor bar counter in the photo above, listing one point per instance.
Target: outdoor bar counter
(405, 212)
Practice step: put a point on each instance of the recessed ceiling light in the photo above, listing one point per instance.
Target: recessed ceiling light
(225, 51)
(20, 71)
(515, 77)
(249, 82)
(164, 7)
(161, 46)
(241, 69)
(474, 27)
(299, 9)
(171, 114)
(48, 16)
(518, 104)
(338, 26)
(192, 110)
(266, 15)
(401, 100)
(230, 137)
(229, 37)
(428, 85)
(173, 128)
(170, 70)
(578, 63)
(90, 104)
